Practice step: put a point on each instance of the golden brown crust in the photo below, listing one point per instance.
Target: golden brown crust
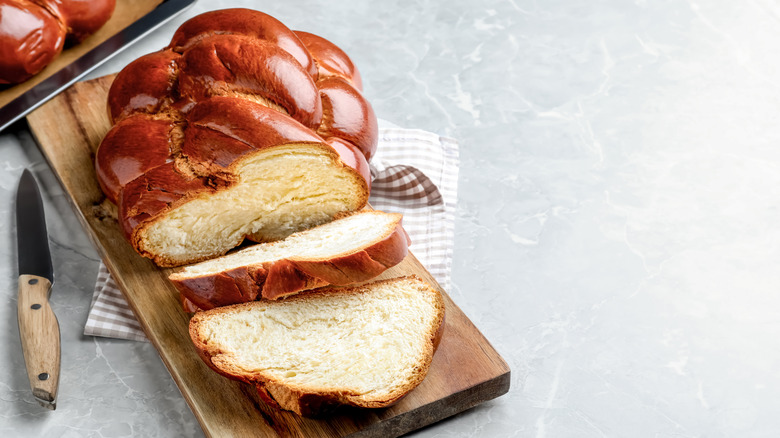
(231, 83)
(135, 146)
(358, 266)
(148, 198)
(222, 130)
(187, 305)
(347, 115)
(21, 53)
(225, 64)
(146, 85)
(352, 157)
(284, 277)
(81, 18)
(246, 22)
(145, 199)
(312, 401)
(219, 133)
(330, 59)
(34, 32)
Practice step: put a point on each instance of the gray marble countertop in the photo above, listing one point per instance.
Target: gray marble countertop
(618, 222)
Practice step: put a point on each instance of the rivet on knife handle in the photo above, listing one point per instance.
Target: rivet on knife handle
(40, 335)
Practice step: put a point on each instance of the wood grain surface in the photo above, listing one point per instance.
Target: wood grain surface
(40, 335)
(466, 369)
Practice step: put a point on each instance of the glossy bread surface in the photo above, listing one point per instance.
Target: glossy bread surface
(239, 65)
(245, 22)
(222, 129)
(349, 117)
(197, 123)
(145, 86)
(33, 33)
(30, 38)
(82, 18)
(330, 59)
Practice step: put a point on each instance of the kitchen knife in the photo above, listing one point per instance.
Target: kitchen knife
(38, 326)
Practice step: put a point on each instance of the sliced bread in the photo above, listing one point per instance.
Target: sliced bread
(228, 183)
(354, 248)
(365, 346)
(234, 131)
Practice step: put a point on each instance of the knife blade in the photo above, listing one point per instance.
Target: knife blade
(39, 329)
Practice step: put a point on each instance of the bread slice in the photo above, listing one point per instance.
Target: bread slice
(354, 248)
(234, 131)
(244, 170)
(364, 346)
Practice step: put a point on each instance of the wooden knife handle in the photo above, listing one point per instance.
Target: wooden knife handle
(40, 334)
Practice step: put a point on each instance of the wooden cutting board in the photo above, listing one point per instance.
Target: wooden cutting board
(466, 369)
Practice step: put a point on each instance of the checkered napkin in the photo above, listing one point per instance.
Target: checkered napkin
(414, 173)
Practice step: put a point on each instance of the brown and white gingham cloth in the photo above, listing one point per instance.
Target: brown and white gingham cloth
(414, 173)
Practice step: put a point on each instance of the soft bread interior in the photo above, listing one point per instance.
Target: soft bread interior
(373, 343)
(340, 237)
(280, 190)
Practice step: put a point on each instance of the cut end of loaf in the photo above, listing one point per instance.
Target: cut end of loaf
(337, 238)
(364, 346)
(231, 83)
(353, 248)
(280, 190)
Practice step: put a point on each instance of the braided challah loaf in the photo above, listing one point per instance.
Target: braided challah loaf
(33, 32)
(240, 128)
